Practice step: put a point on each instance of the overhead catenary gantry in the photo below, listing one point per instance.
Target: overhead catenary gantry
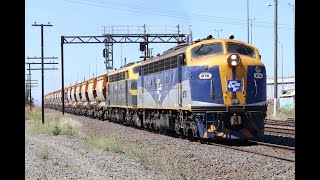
(108, 39)
(126, 38)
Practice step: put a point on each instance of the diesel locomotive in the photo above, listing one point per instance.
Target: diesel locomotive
(212, 88)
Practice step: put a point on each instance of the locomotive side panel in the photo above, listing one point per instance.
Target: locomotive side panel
(159, 90)
(117, 93)
(132, 92)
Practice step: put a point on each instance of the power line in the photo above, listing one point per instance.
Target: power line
(204, 18)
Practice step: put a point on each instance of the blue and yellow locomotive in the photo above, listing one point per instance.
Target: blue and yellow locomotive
(212, 88)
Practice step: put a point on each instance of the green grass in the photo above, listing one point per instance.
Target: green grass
(54, 123)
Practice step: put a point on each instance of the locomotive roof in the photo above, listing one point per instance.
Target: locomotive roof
(125, 67)
(181, 48)
(171, 52)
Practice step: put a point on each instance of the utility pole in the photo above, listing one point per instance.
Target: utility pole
(248, 18)
(282, 64)
(29, 82)
(121, 54)
(62, 76)
(42, 68)
(218, 31)
(178, 27)
(275, 56)
(145, 41)
(190, 35)
(42, 83)
(30, 87)
(251, 28)
(294, 34)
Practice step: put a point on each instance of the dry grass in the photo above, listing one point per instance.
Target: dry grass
(153, 160)
(55, 123)
(34, 114)
(44, 153)
(282, 114)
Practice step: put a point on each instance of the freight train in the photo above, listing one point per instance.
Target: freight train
(211, 88)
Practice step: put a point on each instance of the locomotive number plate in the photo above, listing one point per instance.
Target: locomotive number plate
(205, 75)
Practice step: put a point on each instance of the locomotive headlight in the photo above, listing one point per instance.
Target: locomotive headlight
(234, 60)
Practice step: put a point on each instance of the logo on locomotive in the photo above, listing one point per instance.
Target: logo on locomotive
(234, 85)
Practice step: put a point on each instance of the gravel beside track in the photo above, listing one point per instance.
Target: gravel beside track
(191, 160)
(65, 157)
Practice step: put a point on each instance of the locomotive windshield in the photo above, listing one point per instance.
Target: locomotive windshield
(207, 49)
(241, 49)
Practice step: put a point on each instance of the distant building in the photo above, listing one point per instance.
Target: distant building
(286, 91)
(287, 84)
(287, 100)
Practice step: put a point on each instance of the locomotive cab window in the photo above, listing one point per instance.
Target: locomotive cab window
(207, 49)
(136, 69)
(241, 49)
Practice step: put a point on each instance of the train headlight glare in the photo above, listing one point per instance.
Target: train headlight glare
(233, 57)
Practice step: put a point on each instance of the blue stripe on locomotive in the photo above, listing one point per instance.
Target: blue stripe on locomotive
(199, 89)
(251, 96)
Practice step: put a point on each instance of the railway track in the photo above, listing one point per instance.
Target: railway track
(279, 130)
(274, 145)
(259, 153)
(233, 147)
(279, 123)
(279, 127)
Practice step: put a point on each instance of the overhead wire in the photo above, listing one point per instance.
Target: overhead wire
(176, 14)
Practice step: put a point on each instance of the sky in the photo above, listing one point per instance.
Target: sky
(203, 18)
